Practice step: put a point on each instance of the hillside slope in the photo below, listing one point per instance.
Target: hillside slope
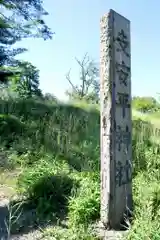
(54, 150)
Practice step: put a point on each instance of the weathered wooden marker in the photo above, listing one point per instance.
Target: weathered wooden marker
(116, 124)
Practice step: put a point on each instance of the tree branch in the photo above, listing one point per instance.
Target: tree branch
(69, 80)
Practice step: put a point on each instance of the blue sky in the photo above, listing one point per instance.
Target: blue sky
(77, 27)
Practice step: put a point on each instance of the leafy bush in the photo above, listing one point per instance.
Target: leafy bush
(10, 128)
(85, 207)
(145, 104)
(146, 159)
(47, 188)
(146, 198)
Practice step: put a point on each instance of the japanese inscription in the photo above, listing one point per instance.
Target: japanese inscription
(124, 102)
(123, 72)
(123, 42)
(115, 91)
(123, 173)
(123, 136)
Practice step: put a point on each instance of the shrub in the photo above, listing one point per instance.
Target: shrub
(85, 207)
(145, 104)
(10, 129)
(47, 188)
(147, 209)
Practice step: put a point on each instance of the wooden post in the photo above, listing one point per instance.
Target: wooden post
(116, 123)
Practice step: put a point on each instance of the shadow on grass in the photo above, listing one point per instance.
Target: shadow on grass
(58, 128)
(46, 203)
(27, 221)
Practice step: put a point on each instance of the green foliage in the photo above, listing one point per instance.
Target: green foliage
(56, 128)
(10, 128)
(85, 207)
(146, 194)
(145, 104)
(146, 156)
(59, 233)
(47, 188)
(59, 153)
(21, 19)
(26, 82)
(48, 97)
(25, 20)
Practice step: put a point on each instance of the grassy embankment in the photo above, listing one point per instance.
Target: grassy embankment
(50, 157)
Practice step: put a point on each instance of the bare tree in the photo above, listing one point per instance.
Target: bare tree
(89, 80)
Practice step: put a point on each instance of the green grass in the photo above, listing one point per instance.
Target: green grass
(56, 148)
